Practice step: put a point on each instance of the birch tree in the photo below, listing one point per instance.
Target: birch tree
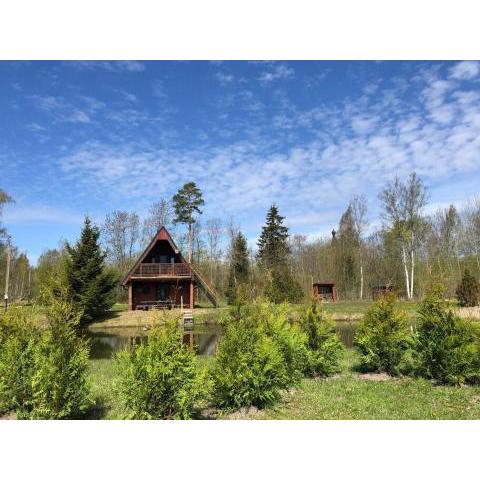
(358, 207)
(403, 204)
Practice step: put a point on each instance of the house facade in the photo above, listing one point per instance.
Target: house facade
(161, 277)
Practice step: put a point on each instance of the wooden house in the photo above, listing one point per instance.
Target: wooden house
(325, 291)
(162, 278)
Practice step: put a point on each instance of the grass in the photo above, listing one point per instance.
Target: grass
(352, 396)
(351, 309)
(347, 396)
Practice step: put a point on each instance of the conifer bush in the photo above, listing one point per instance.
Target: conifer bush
(384, 339)
(468, 291)
(161, 379)
(325, 348)
(18, 336)
(248, 369)
(59, 384)
(261, 354)
(447, 346)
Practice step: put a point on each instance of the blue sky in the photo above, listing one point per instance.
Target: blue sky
(82, 138)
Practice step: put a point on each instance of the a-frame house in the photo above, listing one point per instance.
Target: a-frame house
(162, 278)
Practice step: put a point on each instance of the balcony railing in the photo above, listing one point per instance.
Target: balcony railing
(162, 270)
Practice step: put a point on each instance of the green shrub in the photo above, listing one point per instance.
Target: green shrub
(159, 380)
(59, 383)
(282, 287)
(384, 339)
(18, 336)
(325, 348)
(468, 291)
(290, 340)
(248, 368)
(447, 346)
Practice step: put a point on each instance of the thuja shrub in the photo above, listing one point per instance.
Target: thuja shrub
(447, 346)
(161, 379)
(248, 369)
(59, 381)
(325, 348)
(384, 339)
(18, 336)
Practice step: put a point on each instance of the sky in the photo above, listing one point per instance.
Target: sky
(81, 137)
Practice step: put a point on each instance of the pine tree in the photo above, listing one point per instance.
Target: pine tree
(187, 202)
(468, 291)
(239, 267)
(273, 255)
(90, 285)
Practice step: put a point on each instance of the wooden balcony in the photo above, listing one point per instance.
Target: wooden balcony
(153, 270)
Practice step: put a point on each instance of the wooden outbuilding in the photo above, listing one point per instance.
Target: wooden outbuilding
(162, 278)
(325, 291)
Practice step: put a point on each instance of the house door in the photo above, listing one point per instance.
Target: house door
(163, 292)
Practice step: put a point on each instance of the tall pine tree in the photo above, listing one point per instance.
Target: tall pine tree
(273, 255)
(90, 284)
(239, 268)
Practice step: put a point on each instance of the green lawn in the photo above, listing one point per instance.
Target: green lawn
(346, 396)
(358, 309)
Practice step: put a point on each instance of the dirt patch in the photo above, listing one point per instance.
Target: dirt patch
(9, 416)
(245, 413)
(375, 377)
(469, 313)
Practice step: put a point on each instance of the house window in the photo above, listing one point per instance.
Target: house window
(146, 289)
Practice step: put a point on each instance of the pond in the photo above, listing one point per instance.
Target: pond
(203, 339)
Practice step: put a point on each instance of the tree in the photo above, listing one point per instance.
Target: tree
(468, 291)
(90, 284)
(403, 204)
(359, 214)
(160, 215)
(121, 234)
(4, 199)
(214, 231)
(273, 255)
(187, 202)
(239, 267)
(273, 247)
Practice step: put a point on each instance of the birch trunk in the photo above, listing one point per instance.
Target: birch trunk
(405, 267)
(361, 281)
(412, 269)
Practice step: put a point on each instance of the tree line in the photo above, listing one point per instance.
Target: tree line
(405, 248)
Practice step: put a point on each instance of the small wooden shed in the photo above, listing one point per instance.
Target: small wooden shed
(325, 291)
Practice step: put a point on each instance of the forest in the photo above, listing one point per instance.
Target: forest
(404, 247)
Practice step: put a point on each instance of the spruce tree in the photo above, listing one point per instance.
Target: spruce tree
(468, 291)
(239, 267)
(273, 255)
(90, 284)
(273, 248)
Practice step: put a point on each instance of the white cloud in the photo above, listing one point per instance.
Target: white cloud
(465, 70)
(63, 111)
(19, 214)
(111, 65)
(224, 78)
(276, 73)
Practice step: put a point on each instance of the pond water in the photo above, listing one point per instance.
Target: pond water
(202, 339)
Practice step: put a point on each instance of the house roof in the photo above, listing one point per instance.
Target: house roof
(162, 234)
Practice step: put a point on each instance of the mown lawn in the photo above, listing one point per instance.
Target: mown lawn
(347, 396)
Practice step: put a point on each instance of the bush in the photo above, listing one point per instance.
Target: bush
(159, 380)
(384, 339)
(59, 382)
(248, 368)
(447, 346)
(282, 287)
(325, 348)
(18, 336)
(290, 340)
(468, 291)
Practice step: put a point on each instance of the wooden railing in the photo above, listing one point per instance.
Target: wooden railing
(162, 270)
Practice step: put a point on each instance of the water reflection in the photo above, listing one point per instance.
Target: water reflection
(203, 339)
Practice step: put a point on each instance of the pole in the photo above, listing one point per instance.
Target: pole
(7, 274)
